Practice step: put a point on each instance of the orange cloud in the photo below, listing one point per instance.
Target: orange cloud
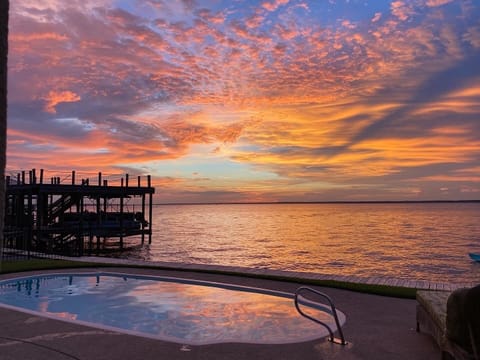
(38, 37)
(435, 3)
(56, 97)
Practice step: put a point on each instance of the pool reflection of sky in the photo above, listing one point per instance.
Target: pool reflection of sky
(175, 311)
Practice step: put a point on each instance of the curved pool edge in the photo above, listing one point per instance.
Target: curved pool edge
(12, 277)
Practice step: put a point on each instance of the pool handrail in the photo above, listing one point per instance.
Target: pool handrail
(332, 339)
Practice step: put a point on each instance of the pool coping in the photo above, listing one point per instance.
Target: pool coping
(238, 270)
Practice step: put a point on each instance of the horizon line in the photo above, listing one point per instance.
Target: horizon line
(320, 202)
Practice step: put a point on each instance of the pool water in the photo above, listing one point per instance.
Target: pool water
(178, 310)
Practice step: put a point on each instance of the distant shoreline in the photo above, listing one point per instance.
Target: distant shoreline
(326, 202)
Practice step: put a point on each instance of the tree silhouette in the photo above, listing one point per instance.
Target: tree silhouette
(4, 5)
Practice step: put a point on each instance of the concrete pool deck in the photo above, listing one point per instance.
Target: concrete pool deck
(377, 327)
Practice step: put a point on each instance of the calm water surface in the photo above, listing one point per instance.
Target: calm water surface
(423, 241)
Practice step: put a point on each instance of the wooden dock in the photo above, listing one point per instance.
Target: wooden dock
(76, 218)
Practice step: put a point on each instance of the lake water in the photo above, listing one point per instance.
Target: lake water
(421, 241)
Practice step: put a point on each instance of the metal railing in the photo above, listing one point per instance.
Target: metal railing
(20, 244)
(340, 341)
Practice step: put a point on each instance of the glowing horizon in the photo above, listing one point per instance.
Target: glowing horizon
(238, 101)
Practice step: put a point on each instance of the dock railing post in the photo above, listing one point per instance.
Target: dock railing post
(150, 197)
(121, 222)
(143, 216)
(29, 222)
(81, 229)
(99, 216)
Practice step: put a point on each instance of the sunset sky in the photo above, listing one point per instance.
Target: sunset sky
(273, 100)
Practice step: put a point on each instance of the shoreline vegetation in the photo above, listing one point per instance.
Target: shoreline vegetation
(324, 202)
(19, 266)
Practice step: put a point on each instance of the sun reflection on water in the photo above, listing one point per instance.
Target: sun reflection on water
(423, 241)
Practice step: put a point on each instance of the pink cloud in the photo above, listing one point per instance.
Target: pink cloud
(348, 24)
(286, 33)
(376, 17)
(254, 21)
(401, 10)
(273, 5)
(472, 36)
(218, 18)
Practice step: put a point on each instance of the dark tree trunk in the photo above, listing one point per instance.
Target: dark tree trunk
(3, 111)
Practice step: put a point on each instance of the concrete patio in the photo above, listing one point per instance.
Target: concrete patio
(377, 327)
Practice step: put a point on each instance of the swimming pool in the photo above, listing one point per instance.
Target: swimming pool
(171, 309)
